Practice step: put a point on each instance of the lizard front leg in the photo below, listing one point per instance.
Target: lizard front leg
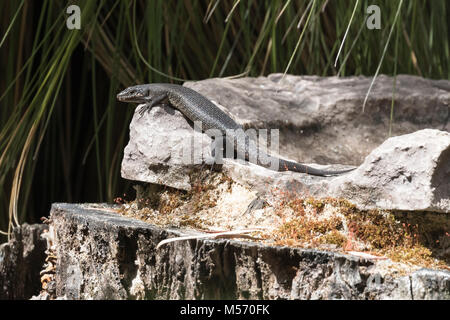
(151, 102)
(217, 153)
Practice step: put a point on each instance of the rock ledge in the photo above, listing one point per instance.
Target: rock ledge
(101, 255)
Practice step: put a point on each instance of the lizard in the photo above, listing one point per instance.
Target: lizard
(197, 107)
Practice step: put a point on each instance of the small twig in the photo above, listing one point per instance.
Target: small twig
(366, 255)
(227, 234)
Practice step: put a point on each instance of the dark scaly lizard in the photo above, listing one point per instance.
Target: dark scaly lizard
(196, 107)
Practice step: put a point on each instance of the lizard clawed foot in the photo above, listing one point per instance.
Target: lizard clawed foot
(151, 102)
(144, 109)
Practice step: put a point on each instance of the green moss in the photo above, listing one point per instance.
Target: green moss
(334, 237)
(382, 232)
(310, 222)
(317, 204)
(303, 229)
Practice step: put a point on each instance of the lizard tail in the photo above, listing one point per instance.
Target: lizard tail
(285, 165)
(280, 165)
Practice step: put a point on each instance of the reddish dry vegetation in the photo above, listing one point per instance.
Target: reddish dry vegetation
(344, 227)
(332, 224)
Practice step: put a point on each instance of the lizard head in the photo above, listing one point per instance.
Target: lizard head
(135, 94)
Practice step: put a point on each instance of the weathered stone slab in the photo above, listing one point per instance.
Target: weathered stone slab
(164, 149)
(161, 148)
(321, 119)
(101, 255)
(21, 260)
(409, 172)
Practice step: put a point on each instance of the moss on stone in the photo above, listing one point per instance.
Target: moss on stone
(379, 231)
(301, 221)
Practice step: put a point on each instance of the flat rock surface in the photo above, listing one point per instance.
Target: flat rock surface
(321, 119)
(321, 123)
(101, 255)
(163, 144)
(409, 172)
(161, 148)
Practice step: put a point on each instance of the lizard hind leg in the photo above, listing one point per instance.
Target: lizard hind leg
(217, 153)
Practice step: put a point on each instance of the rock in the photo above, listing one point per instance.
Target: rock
(425, 287)
(320, 118)
(416, 165)
(268, 182)
(420, 286)
(102, 255)
(410, 172)
(161, 139)
(161, 149)
(316, 116)
(21, 260)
